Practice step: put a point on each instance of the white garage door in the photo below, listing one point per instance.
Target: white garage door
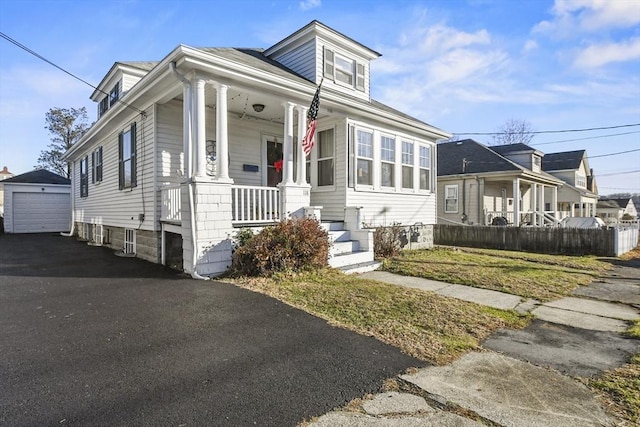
(41, 212)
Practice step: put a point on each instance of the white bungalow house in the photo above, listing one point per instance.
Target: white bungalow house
(188, 149)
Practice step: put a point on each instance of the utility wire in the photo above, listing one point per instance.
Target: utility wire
(588, 137)
(37, 55)
(612, 154)
(548, 131)
(618, 173)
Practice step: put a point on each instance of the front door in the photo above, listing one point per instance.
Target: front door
(272, 161)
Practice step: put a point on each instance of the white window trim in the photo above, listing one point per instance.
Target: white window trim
(377, 162)
(446, 188)
(336, 56)
(371, 159)
(394, 163)
(428, 168)
(314, 159)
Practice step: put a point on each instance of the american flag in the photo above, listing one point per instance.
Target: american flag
(312, 120)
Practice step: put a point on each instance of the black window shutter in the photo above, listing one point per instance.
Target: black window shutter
(120, 165)
(99, 168)
(134, 155)
(328, 63)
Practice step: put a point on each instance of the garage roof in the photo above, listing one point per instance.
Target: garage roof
(38, 176)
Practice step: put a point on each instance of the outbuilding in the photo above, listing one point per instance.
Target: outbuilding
(37, 202)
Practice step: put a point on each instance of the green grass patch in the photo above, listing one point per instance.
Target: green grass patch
(543, 277)
(621, 390)
(634, 329)
(422, 324)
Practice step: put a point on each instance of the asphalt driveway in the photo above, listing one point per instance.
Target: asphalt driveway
(88, 338)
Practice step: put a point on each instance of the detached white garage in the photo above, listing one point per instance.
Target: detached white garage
(37, 202)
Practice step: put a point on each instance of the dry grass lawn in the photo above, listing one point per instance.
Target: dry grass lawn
(427, 326)
(543, 277)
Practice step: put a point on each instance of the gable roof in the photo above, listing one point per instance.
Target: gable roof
(609, 204)
(38, 176)
(620, 202)
(480, 159)
(562, 161)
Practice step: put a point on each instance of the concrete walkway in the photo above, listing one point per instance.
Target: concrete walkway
(526, 377)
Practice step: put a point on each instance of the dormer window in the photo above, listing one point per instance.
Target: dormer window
(103, 106)
(343, 70)
(114, 95)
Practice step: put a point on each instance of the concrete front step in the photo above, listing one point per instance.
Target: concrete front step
(364, 267)
(352, 258)
(339, 248)
(332, 225)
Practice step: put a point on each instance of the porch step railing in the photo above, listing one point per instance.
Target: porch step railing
(254, 204)
(171, 203)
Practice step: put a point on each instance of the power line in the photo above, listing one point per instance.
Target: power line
(37, 55)
(613, 154)
(549, 131)
(588, 137)
(618, 173)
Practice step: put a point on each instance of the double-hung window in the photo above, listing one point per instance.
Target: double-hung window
(326, 147)
(425, 167)
(407, 164)
(127, 158)
(114, 95)
(451, 199)
(387, 161)
(103, 106)
(96, 165)
(84, 177)
(364, 164)
(344, 70)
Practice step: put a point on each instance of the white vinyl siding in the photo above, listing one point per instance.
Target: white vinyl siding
(106, 204)
(300, 59)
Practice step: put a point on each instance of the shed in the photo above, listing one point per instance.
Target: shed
(37, 202)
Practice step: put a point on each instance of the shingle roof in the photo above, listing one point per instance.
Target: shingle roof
(562, 161)
(607, 204)
(142, 65)
(621, 202)
(38, 176)
(510, 148)
(479, 158)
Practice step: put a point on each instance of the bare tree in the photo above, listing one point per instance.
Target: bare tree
(513, 131)
(66, 125)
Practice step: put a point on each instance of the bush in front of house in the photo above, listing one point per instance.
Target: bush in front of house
(291, 245)
(387, 241)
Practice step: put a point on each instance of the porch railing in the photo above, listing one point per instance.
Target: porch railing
(171, 203)
(254, 204)
(539, 218)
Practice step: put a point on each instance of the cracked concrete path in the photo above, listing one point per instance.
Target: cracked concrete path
(512, 393)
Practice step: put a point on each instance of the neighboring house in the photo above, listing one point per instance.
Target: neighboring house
(36, 202)
(188, 149)
(614, 209)
(500, 185)
(4, 174)
(578, 197)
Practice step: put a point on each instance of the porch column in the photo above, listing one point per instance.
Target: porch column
(222, 133)
(516, 202)
(301, 160)
(581, 210)
(534, 204)
(200, 128)
(541, 198)
(287, 149)
(187, 104)
(554, 201)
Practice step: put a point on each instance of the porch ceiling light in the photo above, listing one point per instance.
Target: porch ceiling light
(258, 107)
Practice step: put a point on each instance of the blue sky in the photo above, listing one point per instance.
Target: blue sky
(461, 65)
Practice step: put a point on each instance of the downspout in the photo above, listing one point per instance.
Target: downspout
(188, 172)
(73, 208)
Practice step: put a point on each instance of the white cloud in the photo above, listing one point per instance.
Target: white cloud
(598, 55)
(530, 45)
(441, 38)
(310, 4)
(572, 16)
